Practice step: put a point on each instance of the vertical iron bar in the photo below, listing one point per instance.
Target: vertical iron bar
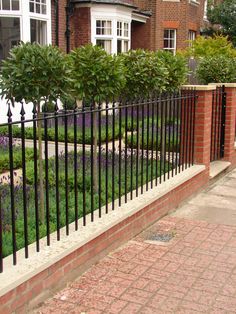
(113, 154)
(184, 131)
(190, 127)
(169, 108)
(161, 140)
(99, 159)
(120, 141)
(83, 161)
(126, 144)
(178, 135)
(47, 180)
(107, 164)
(181, 131)
(1, 231)
(137, 149)
(132, 143)
(24, 180)
(165, 135)
(66, 172)
(75, 169)
(36, 177)
(142, 158)
(92, 107)
(215, 124)
(147, 150)
(173, 134)
(157, 103)
(152, 141)
(57, 172)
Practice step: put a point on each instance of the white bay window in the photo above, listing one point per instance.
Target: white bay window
(110, 28)
(24, 20)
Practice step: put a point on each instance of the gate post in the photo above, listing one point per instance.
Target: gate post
(202, 122)
(229, 150)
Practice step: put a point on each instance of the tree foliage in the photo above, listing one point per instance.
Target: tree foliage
(210, 46)
(224, 14)
(33, 72)
(144, 73)
(217, 69)
(176, 67)
(96, 76)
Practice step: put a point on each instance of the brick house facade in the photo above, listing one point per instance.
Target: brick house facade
(116, 25)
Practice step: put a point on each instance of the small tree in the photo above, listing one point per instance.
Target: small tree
(176, 67)
(217, 45)
(218, 69)
(96, 77)
(35, 73)
(223, 13)
(144, 73)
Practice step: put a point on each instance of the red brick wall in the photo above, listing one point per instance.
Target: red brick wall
(183, 15)
(81, 27)
(62, 24)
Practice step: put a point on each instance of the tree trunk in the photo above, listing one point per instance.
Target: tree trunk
(41, 185)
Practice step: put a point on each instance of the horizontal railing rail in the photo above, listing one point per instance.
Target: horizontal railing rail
(59, 167)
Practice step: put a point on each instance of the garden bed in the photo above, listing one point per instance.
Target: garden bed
(122, 176)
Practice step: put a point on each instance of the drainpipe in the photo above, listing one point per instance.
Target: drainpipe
(69, 11)
(56, 23)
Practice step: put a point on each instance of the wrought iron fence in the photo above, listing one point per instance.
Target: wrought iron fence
(218, 123)
(63, 166)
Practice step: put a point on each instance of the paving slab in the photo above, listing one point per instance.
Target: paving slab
(184, 263)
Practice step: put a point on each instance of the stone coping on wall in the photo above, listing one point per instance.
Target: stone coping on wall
(200, 87)
(13, 276)
(232, 85)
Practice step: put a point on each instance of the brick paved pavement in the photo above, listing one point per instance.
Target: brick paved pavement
(195, 272)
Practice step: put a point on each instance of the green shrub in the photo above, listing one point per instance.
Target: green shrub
(96, 75)
(144, 73)
(217, 45)
(176, 67)
(217, 69)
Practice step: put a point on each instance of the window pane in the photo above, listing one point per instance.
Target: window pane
(126, 46)
(126, 29)
(15, 5)
(119, 46)
(38, 31)
(9, 35)
(105, 44)
(38, 6)
(166, 33)
(103, 27)
(6, 4)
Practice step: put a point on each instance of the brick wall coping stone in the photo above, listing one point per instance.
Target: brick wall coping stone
(13, 276)
(225, 84)
(200, 87)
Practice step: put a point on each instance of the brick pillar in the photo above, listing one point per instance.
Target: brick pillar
(202, 131)
(229, 150)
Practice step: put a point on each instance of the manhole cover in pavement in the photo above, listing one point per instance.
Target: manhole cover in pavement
(161, 237)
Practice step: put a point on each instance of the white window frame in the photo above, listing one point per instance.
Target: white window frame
(113, 14)
(25, 15)
(168, 38)
(191, 36)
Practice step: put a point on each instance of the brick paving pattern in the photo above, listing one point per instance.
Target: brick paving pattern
(195, 272)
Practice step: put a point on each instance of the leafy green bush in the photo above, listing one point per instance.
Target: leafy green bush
(217, 69)
(33, 72)
(96, 75)
(217, 45)
(144, 73)
(176, 67)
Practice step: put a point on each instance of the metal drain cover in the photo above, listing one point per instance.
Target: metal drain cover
(161, 237)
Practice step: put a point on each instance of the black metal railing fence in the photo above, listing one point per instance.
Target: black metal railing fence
(90, 159)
